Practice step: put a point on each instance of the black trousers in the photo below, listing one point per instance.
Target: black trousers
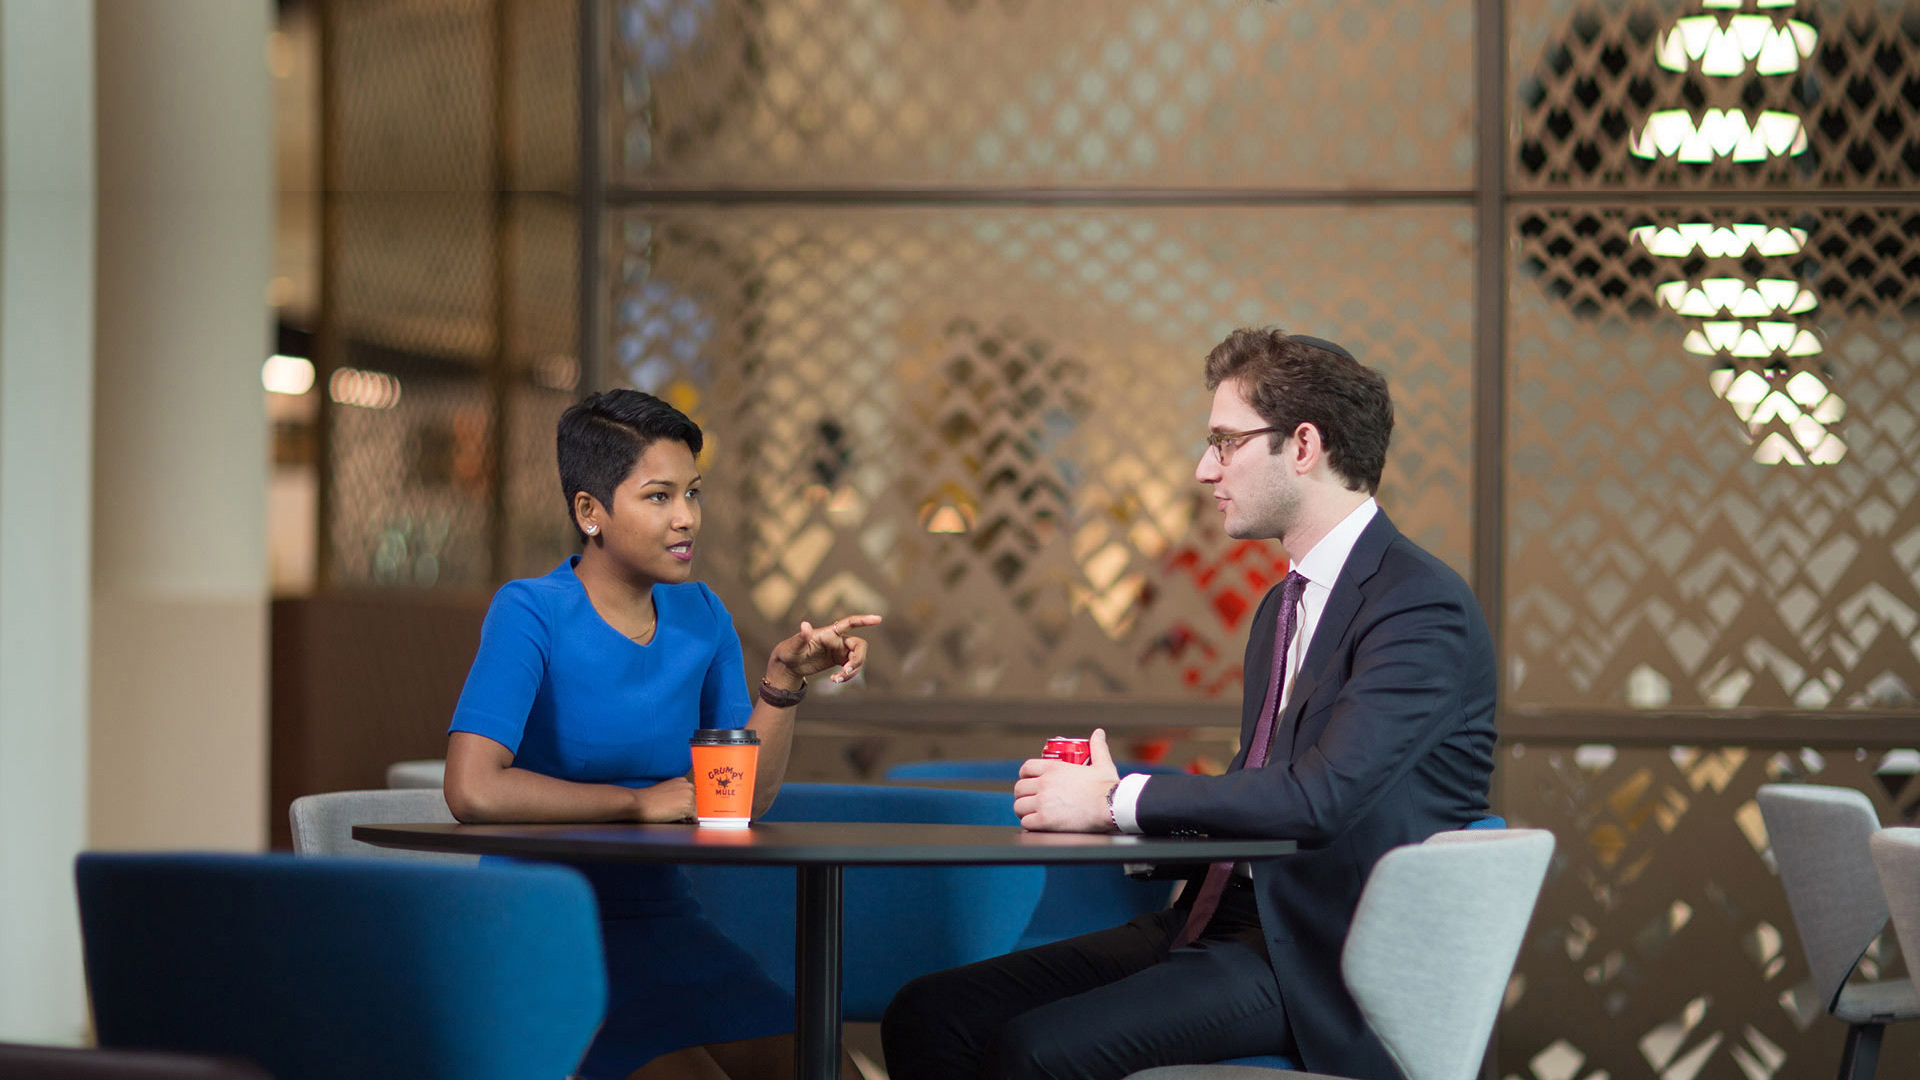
(1095, 1007)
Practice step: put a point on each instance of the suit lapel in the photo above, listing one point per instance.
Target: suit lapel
(1329, 634)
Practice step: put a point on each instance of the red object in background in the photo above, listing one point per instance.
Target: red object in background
(1231, 607)
(1061, 748)
(1151, 751)
(1234, 579)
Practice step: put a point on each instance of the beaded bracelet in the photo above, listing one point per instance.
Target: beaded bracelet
(782, 699)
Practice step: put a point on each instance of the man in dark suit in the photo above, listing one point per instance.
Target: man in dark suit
(1367, 723)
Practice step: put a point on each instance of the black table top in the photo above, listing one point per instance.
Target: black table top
(794, 843)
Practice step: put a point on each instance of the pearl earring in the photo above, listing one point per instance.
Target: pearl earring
(592, 529)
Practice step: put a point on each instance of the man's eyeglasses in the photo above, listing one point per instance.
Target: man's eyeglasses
(1224, 443)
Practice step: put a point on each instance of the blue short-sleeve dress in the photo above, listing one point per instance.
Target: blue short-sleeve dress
(576, 699)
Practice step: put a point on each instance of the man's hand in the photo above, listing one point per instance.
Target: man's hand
(1059, 796)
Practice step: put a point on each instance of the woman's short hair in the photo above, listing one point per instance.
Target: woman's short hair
(601, 439)
(1292, 379)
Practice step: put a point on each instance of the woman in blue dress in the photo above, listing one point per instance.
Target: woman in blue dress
(588, 683)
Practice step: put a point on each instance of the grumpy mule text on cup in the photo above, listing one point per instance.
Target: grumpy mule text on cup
(724, 761)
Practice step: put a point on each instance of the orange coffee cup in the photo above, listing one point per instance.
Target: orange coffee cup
(724, 761)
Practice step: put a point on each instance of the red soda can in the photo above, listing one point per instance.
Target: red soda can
(1061, 748)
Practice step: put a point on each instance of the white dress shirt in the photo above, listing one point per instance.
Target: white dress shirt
(1321, 567)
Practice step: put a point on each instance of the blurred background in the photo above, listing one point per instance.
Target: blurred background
(936, 277)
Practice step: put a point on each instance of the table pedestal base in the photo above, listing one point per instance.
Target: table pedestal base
(816, 969)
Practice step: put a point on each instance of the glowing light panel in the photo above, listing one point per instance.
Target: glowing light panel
(1719, 133)
(1719, 241)
(364, 389)
(1734, 296)
(1725, 49)
(291, 375)
(1755, 340)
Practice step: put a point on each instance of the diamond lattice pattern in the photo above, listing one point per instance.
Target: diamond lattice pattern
(1152, 93)
(1652, 562)
(985, 422)
(1587, 77)
(1663, 945)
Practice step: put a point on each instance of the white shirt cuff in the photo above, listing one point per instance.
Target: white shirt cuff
(1124, 798)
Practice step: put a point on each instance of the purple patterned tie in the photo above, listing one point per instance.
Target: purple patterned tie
(1208, 899)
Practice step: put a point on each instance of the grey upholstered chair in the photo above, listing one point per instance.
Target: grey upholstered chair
(1896, 855)
(323, 824)
(425, 773)
(1822, 846)
(1431, 951)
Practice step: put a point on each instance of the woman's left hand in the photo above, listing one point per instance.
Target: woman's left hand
(816, 648)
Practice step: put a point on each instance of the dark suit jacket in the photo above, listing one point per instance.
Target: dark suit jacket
(1387, 738)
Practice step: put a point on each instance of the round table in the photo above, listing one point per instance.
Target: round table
(820, 852)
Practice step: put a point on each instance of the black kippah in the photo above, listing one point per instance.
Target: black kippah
(1321, 343)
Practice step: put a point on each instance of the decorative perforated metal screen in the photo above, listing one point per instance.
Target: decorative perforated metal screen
(1709, 484)
(415, 272)
(1587, 77)
(1663, 945)
(414, 467)
(451, 288)
(1150, 93)
(1652, 563)
(983, 423)
(411, 94)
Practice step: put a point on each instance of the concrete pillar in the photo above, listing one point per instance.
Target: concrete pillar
(179, 681)
(46, 448)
